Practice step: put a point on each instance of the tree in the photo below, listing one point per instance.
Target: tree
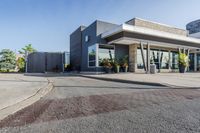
(7, 60)
(27, 49)
(21, 64)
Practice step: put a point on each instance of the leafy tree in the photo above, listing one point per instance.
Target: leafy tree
(21, 64)
(7, 60)
(28, 48)
(21, 61)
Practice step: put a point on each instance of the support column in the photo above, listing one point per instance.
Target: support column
(142, 53)
(188, 54)
(132, 58)
(195, 62)
(148, 58)
(170, 60)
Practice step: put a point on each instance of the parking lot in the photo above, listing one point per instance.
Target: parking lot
(78, 104)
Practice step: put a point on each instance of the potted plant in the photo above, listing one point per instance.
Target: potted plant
(125, 63)
(116, 65)
(107, 65)
(183, 62)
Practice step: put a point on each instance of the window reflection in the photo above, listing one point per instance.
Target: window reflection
(164, 59)
(174, 59)
(105, 52)
(155, 57)
(198, 62)
(92, 55)
(160, 58)
(140, 64)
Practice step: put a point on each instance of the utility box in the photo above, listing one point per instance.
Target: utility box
(152, 69)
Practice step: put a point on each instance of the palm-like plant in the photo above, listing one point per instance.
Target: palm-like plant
(183, 59)
(27, 49)
(183, 62)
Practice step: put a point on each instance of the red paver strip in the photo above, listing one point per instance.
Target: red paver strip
(59, 109)
(47, 110)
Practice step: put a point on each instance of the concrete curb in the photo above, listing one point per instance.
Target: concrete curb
(26, 102)
(125, 81)
(140, 82)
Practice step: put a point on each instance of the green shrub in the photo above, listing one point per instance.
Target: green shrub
(183, 59)
(21, 64)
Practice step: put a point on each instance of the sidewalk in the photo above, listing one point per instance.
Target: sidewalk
(175, 80)
(19, 91)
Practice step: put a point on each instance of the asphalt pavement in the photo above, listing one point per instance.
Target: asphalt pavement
(84, 105)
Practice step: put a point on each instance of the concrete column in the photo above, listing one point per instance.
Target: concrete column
(159, 61)
(143, 58)
(195, 62)
(132, 58)
(170, 60)
(188, 54)
(148, 58)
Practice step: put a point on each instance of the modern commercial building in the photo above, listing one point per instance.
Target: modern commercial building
(144, 42)
(194, 31)
(194, 28)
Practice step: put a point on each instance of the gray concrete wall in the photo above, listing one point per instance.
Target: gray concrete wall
(90, 31)
(54, 62)
(36, 62)
(40, 62)
(76, 48)
(157, 26)
(101, 28)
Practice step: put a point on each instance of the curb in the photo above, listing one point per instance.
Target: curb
(125, 81)
(26, 102)
(140, 82)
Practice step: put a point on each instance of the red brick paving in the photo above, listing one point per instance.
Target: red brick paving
(59, 109)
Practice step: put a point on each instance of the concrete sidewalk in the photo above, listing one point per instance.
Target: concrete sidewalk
(16, 89)
(174, 80)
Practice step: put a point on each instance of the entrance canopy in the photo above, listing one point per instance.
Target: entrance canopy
(129, 34)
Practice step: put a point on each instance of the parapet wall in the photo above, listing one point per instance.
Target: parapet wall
(157, 26)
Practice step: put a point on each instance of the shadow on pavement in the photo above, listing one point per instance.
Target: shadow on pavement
(114, 87)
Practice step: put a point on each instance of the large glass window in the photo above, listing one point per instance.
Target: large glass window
(174, 59)
(191, 65)
(155, 58)
(198, 62)
(105, 52)
(164, 61)
(158, 57)
(92, 56)
(140, 64)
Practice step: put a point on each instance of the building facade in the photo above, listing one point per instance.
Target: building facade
(194, 28)
(144, 42)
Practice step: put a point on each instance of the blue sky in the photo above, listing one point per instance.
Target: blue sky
(47, 24)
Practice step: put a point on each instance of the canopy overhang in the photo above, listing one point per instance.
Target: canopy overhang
(127, 34)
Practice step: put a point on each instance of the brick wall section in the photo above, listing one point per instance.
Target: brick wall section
(156, 26)
(132, 58)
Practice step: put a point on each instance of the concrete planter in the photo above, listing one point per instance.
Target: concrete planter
(117, 69)
(108, 69)
(125, 69)
(182, 69)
